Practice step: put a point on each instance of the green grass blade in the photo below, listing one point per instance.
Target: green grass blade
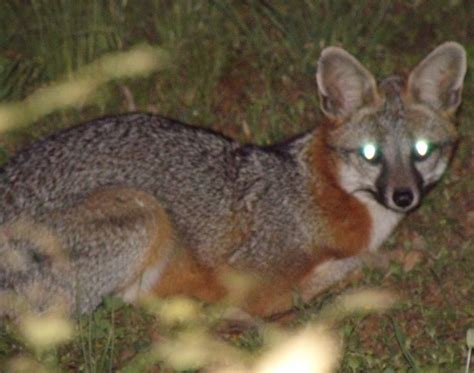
(403, 346)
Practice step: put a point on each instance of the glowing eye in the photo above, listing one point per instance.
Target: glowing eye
(369, 151)
(422, 149)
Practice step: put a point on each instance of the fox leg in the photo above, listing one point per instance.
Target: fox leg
(276, 300)
(327, 274)
(165, 267)
(103, 245)
(267, 298)
(137, 238)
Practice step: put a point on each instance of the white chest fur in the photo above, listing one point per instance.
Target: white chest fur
(384, 221)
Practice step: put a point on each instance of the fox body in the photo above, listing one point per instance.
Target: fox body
(140, 204)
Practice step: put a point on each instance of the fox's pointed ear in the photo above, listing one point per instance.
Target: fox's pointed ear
(344, 84)
(437, 80)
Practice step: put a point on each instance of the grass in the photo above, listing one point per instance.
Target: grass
(247, 69)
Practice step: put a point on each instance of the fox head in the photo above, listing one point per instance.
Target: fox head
(393, 140)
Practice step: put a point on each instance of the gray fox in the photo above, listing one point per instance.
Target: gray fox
(138, 204)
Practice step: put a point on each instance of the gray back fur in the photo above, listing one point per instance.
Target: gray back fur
(220, 195)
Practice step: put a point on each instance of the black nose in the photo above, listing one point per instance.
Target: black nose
(403, 197)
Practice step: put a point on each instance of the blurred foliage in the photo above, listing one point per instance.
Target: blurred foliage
(246, 68)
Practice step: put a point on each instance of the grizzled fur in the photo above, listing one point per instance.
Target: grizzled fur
(201, 178)
(111, 205)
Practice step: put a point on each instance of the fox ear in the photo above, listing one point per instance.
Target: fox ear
(344, 84)
(437, 80)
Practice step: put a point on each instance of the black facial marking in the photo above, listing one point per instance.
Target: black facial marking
(381, 184)
(418, 181)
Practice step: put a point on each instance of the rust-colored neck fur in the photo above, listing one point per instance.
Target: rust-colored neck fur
(346, 219)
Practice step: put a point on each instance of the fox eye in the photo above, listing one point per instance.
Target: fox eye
(370, 152)
(422, 150)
